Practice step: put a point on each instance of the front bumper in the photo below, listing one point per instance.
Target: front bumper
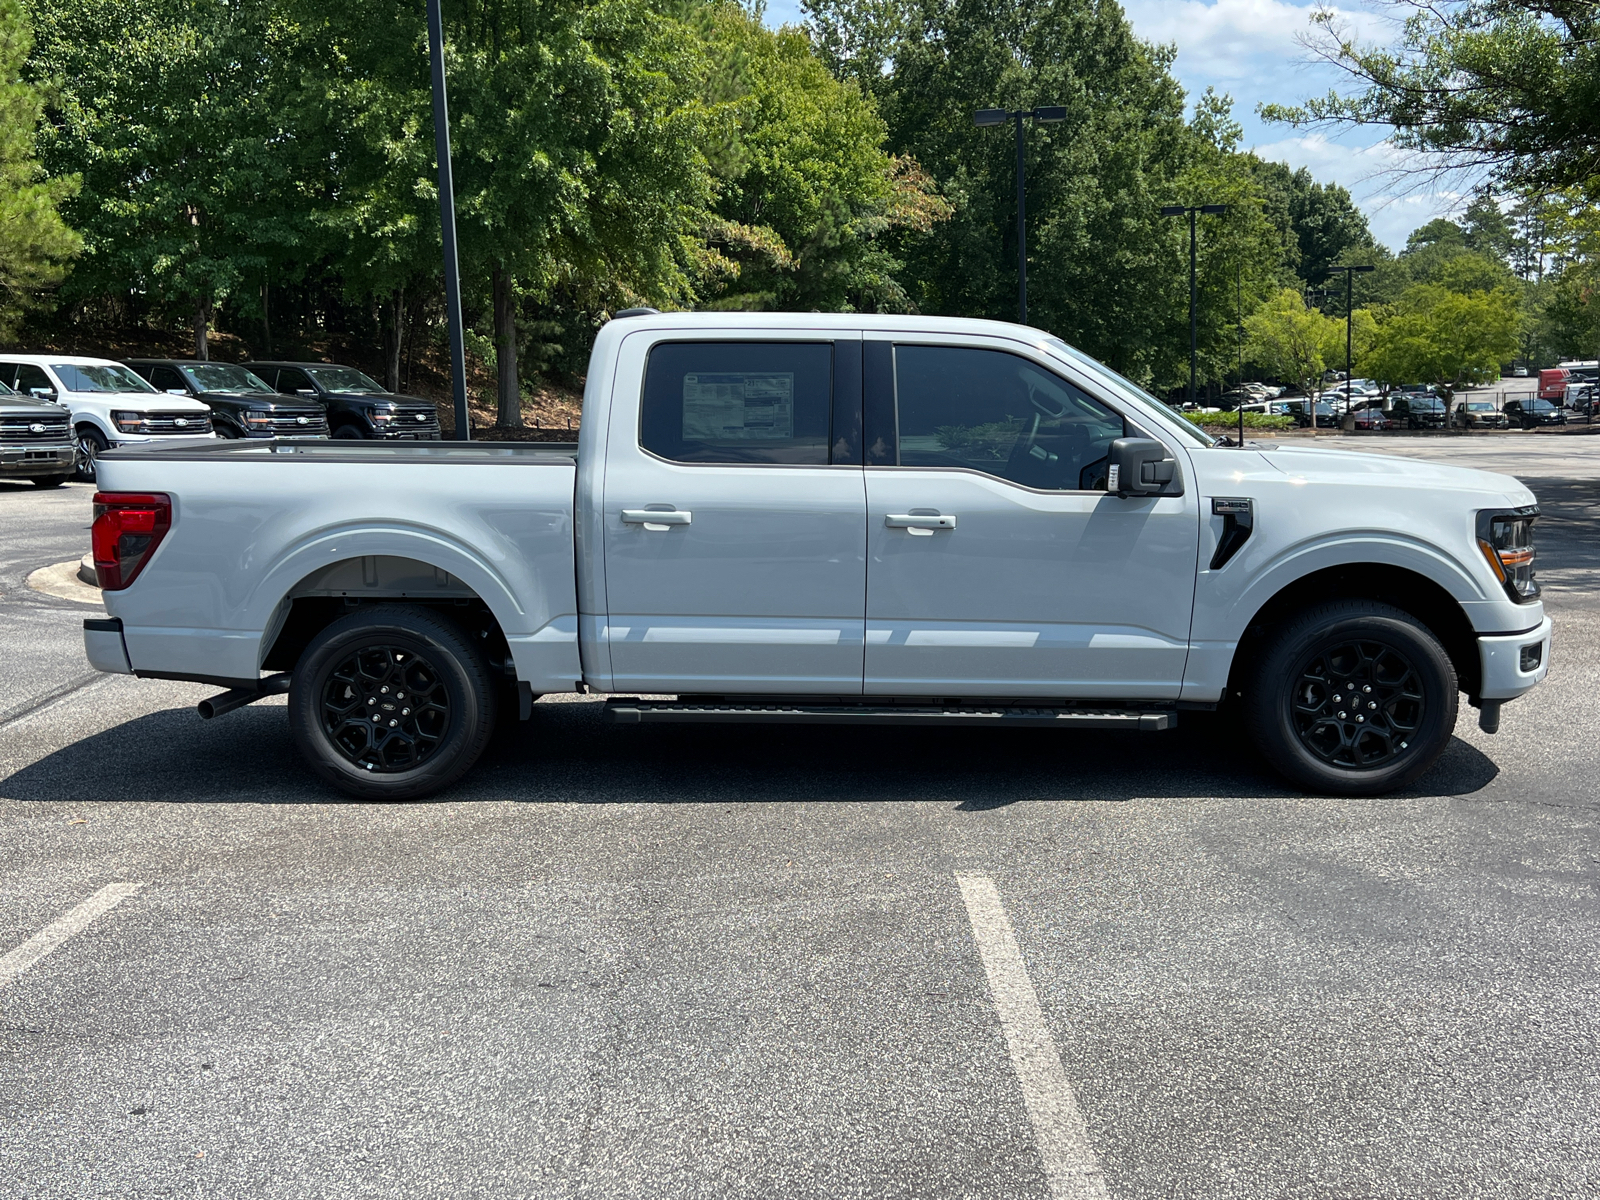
(1501, 661)
(29, 459)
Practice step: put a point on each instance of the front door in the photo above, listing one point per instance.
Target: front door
(735, 516)
(998, 564)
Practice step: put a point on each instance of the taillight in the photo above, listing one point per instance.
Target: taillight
(128, 526)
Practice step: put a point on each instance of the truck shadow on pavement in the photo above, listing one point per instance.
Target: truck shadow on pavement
(567, 754)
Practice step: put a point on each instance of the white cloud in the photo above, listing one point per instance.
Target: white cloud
(1377, 179)
(1240, 40)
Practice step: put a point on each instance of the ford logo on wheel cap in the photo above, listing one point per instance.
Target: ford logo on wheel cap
(181, 422)
(35, 428)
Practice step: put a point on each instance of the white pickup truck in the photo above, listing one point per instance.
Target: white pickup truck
(827, 518)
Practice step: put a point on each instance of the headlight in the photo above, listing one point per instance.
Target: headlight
(1506, 539)
(128, 422)
(258, 419)
(380, 415)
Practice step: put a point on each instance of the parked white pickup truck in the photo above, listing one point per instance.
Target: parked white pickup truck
(791, 517)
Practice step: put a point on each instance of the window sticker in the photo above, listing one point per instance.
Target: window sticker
(721, 406)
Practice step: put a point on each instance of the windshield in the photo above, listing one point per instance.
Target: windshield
(112, 378)
(224, 377)
(344, 379)
(6, 389)
(1480, 406)
(1177, 419)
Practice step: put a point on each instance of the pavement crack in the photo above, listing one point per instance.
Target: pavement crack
(28, 708)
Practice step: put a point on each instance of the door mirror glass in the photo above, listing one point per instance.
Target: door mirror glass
(1139, 467)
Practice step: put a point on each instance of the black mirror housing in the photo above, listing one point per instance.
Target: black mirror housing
(1141, 467)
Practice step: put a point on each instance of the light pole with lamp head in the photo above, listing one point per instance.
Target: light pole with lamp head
(985, 117)
(1178, 210)
(1349, 321)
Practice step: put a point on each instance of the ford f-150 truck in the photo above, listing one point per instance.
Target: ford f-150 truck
(827, 518)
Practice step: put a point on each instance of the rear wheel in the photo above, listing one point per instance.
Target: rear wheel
(1353, 698)
(391, 703)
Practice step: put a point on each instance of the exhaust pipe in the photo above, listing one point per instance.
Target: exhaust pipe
(272, 685)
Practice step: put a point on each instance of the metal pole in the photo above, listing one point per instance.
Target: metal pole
(447, 224)
(1349, 318)
(1022, 229)
(1239, 311)
(1194, 328)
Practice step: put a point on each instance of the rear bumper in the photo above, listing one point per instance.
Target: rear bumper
(26, 460)
(103, 644)
(1502, 660)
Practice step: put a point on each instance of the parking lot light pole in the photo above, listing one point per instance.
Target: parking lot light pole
(1349, 321)
(447, 224)
(1178, 210)
(986, 117)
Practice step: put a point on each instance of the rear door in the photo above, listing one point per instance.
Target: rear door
(998, 564)
(735, 514)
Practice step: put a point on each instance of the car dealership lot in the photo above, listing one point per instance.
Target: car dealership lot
(721, 961)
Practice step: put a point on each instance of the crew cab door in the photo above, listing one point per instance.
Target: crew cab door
(998, 565)
(735, 514)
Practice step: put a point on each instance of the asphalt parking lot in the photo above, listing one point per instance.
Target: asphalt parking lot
(715, 962)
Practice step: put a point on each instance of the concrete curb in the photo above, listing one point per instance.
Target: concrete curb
(62, 581)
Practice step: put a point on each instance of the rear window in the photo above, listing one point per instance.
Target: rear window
(738, 402)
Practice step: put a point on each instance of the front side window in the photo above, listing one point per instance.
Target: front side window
(989, 411)
(31, 379)
(118, 378)
(738, 402)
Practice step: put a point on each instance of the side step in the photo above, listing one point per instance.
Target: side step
(639, 712)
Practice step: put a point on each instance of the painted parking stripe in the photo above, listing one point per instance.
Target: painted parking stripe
(59, 930)
(1070, 1164)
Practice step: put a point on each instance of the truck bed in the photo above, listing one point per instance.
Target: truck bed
(352, 451)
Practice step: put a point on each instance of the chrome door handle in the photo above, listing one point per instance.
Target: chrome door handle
(919, 521)
(652, 518)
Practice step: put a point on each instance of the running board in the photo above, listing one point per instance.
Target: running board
(639, 712)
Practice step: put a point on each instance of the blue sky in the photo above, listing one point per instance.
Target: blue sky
(1247, 48)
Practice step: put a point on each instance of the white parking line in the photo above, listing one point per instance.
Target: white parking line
(1070, 1164)
(59, 930)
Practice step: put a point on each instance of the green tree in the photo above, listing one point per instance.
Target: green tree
(1505, 87)
(35, 243)
(1445, 337)
(168, 112)
(1291, 341)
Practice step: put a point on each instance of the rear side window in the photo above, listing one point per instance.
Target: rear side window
(738, 402)
(292, 380)
(162, 378)
(989, 411)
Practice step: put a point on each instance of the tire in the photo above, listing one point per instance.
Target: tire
(372, 655)
(348, 433)
(50, 481)
(90, 446)
(1296, 711)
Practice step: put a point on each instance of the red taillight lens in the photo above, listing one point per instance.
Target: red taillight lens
(128, 526)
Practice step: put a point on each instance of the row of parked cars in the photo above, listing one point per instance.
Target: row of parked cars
(59, 412)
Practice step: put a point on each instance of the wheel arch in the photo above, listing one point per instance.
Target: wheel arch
(1409, 590)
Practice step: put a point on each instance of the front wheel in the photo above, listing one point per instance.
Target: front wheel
(50, 481)
(391, 703)
(1353, 698)
(90, 447)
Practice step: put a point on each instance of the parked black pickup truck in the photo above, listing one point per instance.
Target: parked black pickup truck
(1531, 413)
(357, 406)
(243, 405)
(1420, 412)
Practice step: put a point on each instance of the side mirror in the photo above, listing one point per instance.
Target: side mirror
(43, 393)
(176, 392)
(1139, 467)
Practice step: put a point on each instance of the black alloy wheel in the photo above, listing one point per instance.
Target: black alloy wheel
(385, 708)
(1353, 697)
(392, 702)
(90, 445)
(1358, 704)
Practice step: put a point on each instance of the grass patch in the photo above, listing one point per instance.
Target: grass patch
(1251, 420)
